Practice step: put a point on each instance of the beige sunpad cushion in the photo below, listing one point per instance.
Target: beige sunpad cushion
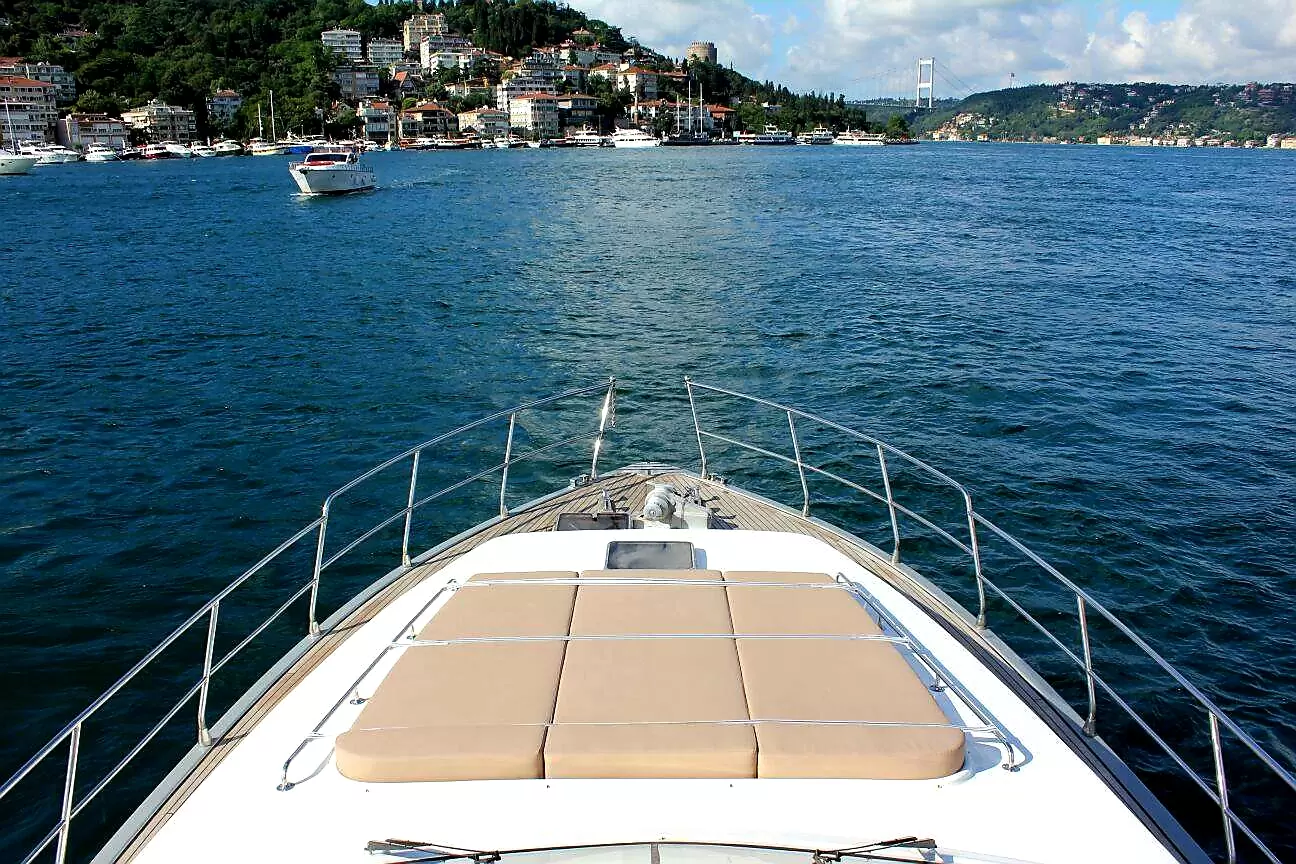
(463, 712)
(788, 679)
(641, 682)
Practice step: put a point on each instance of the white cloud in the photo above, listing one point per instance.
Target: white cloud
(980, 41)
(743, 36)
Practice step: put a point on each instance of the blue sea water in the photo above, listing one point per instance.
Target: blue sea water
(1099, 342)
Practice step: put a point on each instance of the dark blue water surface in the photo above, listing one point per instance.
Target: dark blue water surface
(1097, 341)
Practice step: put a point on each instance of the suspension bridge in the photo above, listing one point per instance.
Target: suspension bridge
(919, 86)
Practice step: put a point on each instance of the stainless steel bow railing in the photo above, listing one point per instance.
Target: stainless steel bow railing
(1218, 722)
(70, 736)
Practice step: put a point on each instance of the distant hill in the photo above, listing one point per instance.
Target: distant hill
(1086, 111)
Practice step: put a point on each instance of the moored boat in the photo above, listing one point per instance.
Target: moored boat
(773, 136)
(49, 154)
(259, 147)
(634, 139)
(101, 153)
(227, 148)
(657, 665)
(588, 137)
(855, 138)
(202, 151)
(178, 150)
(332, 171)
(156, 151)
(15, 163)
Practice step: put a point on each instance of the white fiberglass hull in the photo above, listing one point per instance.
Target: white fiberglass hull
(101, 156)
(56, 158)
(635, 143)
(333, 179)
(11, 164)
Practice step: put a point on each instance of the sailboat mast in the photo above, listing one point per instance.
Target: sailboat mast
(274, 136)
(260, 123)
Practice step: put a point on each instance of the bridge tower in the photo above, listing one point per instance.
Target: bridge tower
(926, 81)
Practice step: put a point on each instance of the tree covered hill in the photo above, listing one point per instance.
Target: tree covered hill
(183, 50)
(1086, 111)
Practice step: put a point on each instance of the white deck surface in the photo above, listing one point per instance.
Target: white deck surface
(1053, 809)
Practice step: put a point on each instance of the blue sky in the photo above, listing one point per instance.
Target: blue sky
(866, 47)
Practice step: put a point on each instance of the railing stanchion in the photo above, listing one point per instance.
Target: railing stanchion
(1222, 785)
(697, 429)
(976, 562)
(69, 784)
(508, 459)
(1090, 727)
(409, 510)
(890, 499)
(204, 735)
(607, 416)
(796, 451)
(319, 566)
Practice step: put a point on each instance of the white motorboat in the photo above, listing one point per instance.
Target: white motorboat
(178, 150)
(49, 154)
(634, 138)
(101, 153)
(589, 138)
(773, 135)
(332, 171)
(652, 665)
(202, 151)
(855, 138)
(15, 163)
(227, 148)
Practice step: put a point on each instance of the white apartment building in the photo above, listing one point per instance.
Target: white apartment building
(223, 105)
(64, 82)
(344, 43)
(162, 122)
(432, 46)
(79, 131)
(31, 108)
(489, 122)
(377, 118)
(639, 81)
(419, 27)
(537, 113)
(384, 52)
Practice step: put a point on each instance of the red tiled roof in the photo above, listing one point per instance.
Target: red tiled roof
(535, 96)
(638, 70)
(10, 61)
(427, 107)
(18, 81)
(719, 109)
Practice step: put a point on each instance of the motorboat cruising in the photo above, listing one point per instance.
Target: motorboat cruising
(652, 664)
(332, 171)
(15, 163)
(101, 153)
(855, 138)
(634, 138)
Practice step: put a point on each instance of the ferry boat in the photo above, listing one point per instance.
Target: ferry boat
(822, 135)
(648, 665)
(589, 138)
(773, 135)
(260, 147)
(634, 138)
(101, 153)
(332, 171)
(855, 138)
